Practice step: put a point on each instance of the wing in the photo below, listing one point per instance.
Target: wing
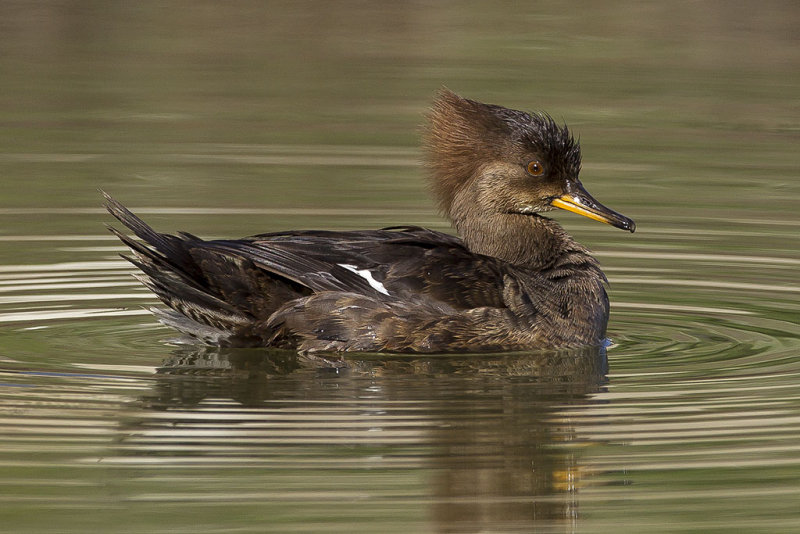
(405, 263)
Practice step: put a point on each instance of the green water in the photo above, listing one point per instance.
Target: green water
(229, 119)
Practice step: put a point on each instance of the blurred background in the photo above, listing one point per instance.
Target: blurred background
(228, 119)
(205, 103)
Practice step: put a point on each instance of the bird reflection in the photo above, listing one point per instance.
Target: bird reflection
(484, 431)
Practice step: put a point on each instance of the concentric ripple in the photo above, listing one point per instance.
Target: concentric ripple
(699, 386)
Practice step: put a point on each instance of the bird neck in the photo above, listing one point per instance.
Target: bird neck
(532, 241)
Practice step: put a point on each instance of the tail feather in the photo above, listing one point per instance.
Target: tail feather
(193, 331)
(163, 243)
(199, 307)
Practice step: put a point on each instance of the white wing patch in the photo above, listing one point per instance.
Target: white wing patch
(366, 275)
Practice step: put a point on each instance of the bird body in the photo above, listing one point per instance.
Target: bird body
(513, 280)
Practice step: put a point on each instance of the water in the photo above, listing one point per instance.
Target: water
(231, 120)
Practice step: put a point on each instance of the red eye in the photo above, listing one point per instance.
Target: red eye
(535, 168)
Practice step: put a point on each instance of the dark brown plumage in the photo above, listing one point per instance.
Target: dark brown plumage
(514, 280)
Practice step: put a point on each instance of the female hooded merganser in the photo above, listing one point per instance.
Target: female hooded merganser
(514, 280)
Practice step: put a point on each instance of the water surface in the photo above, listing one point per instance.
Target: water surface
(227, 121)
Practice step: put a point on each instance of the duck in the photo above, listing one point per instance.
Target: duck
(510, 280)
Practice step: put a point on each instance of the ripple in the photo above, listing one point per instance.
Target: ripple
(701, 382)
(726, 259)
(61, 291)
(704, 372)
(680, 308)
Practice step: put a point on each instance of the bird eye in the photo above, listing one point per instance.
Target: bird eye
(535, 168)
